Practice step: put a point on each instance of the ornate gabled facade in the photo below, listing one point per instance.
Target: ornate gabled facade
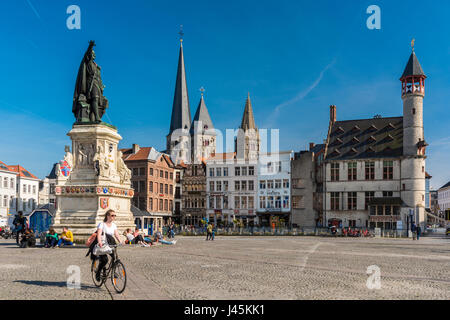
(248, 140)
(374, 169)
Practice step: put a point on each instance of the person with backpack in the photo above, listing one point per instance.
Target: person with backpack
(209, 231)
(20, 224)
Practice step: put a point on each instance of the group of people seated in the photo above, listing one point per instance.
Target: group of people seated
(137, 238)
(53, 240)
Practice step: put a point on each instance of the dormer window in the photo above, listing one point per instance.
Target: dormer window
(356, 128)
(371, 139)
(355, 140)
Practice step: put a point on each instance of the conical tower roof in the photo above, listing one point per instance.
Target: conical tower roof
(248, 121)
(413, 67)
(202, 115)
(181, 113)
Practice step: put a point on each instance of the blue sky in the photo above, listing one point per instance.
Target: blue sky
(294, 57)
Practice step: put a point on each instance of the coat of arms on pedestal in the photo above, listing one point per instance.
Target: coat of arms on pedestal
(104, 203)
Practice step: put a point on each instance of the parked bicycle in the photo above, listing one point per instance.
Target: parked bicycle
(114, 269)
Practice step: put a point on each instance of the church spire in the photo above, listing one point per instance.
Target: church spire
(248, 121)
(202, 116)
(181, 113)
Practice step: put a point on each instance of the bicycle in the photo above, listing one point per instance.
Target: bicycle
(114, 269)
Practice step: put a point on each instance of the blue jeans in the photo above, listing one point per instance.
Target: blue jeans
(65, 242)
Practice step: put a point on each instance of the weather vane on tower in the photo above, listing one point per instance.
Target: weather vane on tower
(412, 44)
(202, 91)
(181, 33)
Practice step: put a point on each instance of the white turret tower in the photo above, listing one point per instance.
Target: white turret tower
(413, 162)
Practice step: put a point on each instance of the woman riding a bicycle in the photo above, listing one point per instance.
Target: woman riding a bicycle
(109, 228)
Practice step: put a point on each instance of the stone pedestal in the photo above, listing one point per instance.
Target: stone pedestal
(91, 180)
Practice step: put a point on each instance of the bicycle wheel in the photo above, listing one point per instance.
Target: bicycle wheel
(94, 268)
(119, 276)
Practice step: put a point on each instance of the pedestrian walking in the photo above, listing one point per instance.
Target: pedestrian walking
(20, 223)
(209, 232)
(419, 231)
(414, 231)
(213, 232)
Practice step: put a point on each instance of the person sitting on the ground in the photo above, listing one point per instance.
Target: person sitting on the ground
(28, 239)
(66, 238)
(158, 235)
(129, 236)
(51, 238)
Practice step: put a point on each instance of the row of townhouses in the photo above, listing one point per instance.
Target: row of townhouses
(19, 191)
(367, 173)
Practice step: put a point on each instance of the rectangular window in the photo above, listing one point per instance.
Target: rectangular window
(5, 201)
(243, 202)
(225, 186)
(211, 202)
(237, 185)
(370, 170)
(161, 204)
(225, 172)
(277, 184)
(171, 205)
(24, 188)
(11, 183)
(150, 203)
(388, 194)
(251, 204)
(251, 171)
(278, 202)
(237, 171)
(151, 171)
(29, 188)
(218, 172)
(352, 171)
(166, 205)
(171, 189)
(244, 171)
(262, 184)
(334, 200)
(244, 185)
(251, 185)
(297, 202)
(286, 202)
(369, 195)
(279, 166)
(142, 186)
(262, 202)
(237, 202)
(142, 171)
(161, 188)
(269, 167)
(166, 174)
(218, 202)
(335, 172)
(5, 182)
(225, 202)
(269, 184)
(218, 186)
(388, 170)
(211, 186)
(211, 172)
(351, 200)
(171, 176)
(166, 188)
(161, 174)
(285, 183)
(150, 187)
(135, 171)
(270, 203)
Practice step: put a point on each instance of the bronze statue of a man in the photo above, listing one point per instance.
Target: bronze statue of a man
(89, 104)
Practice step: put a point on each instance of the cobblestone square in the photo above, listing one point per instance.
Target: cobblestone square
(240, 268)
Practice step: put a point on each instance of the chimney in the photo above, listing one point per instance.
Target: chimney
(332, 114)
(136, 148)
(311, 145)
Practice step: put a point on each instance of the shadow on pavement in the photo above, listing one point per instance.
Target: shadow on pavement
(59, 284)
